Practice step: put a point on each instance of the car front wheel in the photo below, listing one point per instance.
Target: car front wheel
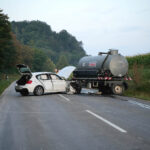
(38, 91)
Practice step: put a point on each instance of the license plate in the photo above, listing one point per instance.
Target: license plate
(18, 87)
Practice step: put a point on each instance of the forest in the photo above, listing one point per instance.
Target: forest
(35, 44)
(57, 46)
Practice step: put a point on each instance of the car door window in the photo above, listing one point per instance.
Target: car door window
(54, 77)
(44, 77)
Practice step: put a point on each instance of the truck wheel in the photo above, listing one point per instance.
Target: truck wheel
(38, 91)
(117, 89)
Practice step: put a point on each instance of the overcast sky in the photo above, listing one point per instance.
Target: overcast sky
(99, 24)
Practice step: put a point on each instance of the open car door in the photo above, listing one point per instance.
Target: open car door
(24, 69)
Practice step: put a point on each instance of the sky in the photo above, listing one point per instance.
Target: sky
(99, 24)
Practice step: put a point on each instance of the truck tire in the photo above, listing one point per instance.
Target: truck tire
(117, 89)
(38, 91)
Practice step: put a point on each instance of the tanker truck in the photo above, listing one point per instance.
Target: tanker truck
(106, 72)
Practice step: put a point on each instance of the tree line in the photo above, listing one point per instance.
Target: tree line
(36, 45)
(57, 46)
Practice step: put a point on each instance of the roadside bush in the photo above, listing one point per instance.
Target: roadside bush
(139, 60)
(137, 74)
(140, 85)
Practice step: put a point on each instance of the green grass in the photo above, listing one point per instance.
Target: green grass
(137, 94)
(5, 83)
(142, 91)
(140, 73)
(139, 70)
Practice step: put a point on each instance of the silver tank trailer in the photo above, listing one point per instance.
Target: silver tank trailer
(115, 63)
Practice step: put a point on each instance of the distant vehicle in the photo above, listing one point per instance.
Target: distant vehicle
(39, 83)
(106, 72)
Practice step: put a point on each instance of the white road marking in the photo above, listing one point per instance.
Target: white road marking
(106, 121)
(67, 99)
(139, 104)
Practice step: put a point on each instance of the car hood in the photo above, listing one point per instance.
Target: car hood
(66, 71)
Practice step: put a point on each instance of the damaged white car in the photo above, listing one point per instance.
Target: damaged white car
(40, 83)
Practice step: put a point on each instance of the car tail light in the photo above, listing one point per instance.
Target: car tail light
(29, 82)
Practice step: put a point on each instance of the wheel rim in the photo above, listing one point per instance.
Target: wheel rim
(118, 89)
(39, 91)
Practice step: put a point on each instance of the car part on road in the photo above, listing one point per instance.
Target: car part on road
(77, 86)
(69, 88)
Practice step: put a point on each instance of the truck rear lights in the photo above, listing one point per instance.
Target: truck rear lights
(29, 82)
(128, 78)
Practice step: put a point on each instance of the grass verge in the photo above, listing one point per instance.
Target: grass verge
(137, 94)
(139, 87)
(4, 83)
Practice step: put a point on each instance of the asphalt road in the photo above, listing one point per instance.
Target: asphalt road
(73, 122)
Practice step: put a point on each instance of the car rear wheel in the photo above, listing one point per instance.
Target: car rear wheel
(38, 91)
(24, 93)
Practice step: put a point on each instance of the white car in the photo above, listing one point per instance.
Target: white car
(39, 83)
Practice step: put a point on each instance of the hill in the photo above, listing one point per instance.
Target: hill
(37, 34)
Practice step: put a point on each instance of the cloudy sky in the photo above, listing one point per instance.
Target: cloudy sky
(99, 24)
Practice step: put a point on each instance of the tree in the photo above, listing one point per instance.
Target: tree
(62, 62)
(7, 49)
(49, 65)
(39, 59)
(39, 35)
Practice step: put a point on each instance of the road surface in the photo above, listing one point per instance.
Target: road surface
(73, 122)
